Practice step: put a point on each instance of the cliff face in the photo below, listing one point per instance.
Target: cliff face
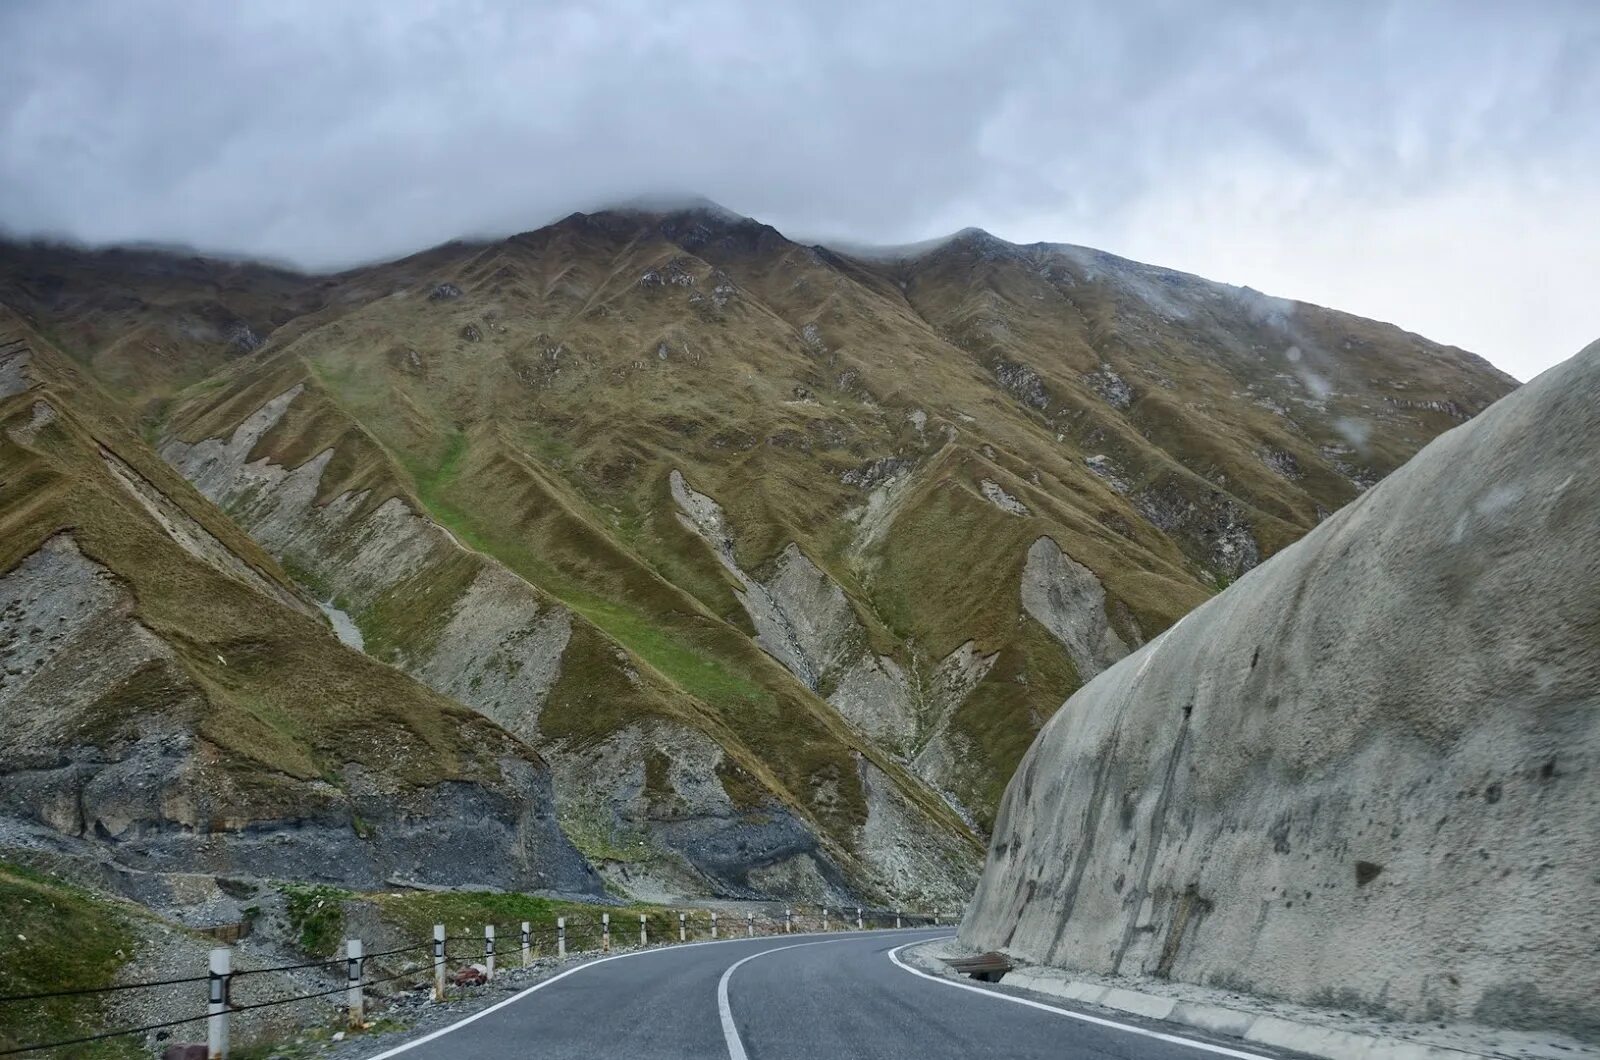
(1365, 774)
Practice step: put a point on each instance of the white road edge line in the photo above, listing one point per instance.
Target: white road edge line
(1177, 1039)
(730, 1033)
(403, 1047)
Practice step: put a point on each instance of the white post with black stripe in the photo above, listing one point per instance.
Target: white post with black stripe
(788, 921)
(561, 937)
(858, 918)
(605, 932)
(352, 960)
(713, 925)
(527, 943)
(488, 952)
(824, 918)
(750, 925)
(438, 962)
(217, 1006)
(644, 933)
(683, 927)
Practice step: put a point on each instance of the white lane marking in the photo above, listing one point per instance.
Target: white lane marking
(587, 964)
(730, 1033)
(1221, 1050)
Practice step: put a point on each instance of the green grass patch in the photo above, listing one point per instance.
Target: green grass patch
(59, 937)
(316, 915)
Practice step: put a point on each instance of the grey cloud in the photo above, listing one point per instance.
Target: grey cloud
(327, 134)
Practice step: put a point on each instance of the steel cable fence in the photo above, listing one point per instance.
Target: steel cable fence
(567, 936)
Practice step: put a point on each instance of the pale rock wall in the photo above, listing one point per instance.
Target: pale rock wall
(1368, 773)
(194, 538)
(1067, 599)
(804, 620)
(500, 650)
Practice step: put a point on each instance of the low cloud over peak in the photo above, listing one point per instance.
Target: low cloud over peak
(1433, 164)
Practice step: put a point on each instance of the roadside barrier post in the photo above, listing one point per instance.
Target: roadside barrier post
(526, 943)
(488, 951)
(897, 919)
(713, 925)
(438, 962)
(561, 936)
(750, 924)
(824, 918)
(217, 1009)
(858, 918)
(352, 958)
(644, 934)
(788, 921)
(605, 932)
(683, 929)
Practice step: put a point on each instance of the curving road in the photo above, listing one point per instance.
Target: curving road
(800, 997)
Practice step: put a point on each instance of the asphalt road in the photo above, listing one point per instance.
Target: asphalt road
(800, 997)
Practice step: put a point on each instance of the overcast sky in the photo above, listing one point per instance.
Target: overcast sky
(1433, 164)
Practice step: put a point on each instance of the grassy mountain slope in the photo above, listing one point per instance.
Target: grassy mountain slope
(842, 530)
(169, 691)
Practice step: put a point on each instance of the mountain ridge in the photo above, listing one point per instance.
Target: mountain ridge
(781, 556)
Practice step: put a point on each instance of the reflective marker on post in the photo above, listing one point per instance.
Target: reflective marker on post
(525, 942)
(438, 962)
(352, 957)
(488, 951)
(217, 1007)
(561, 936)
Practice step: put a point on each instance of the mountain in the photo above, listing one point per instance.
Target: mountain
(1361, 777)
(779, 555)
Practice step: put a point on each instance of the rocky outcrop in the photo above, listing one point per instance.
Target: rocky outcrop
(14, 358)
(804, 620)
(144, 786)
(1364, 775)
(499, 649)
(664, 781)
(1067, 599)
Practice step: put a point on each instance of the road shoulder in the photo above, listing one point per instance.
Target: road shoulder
(1248, 1022)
